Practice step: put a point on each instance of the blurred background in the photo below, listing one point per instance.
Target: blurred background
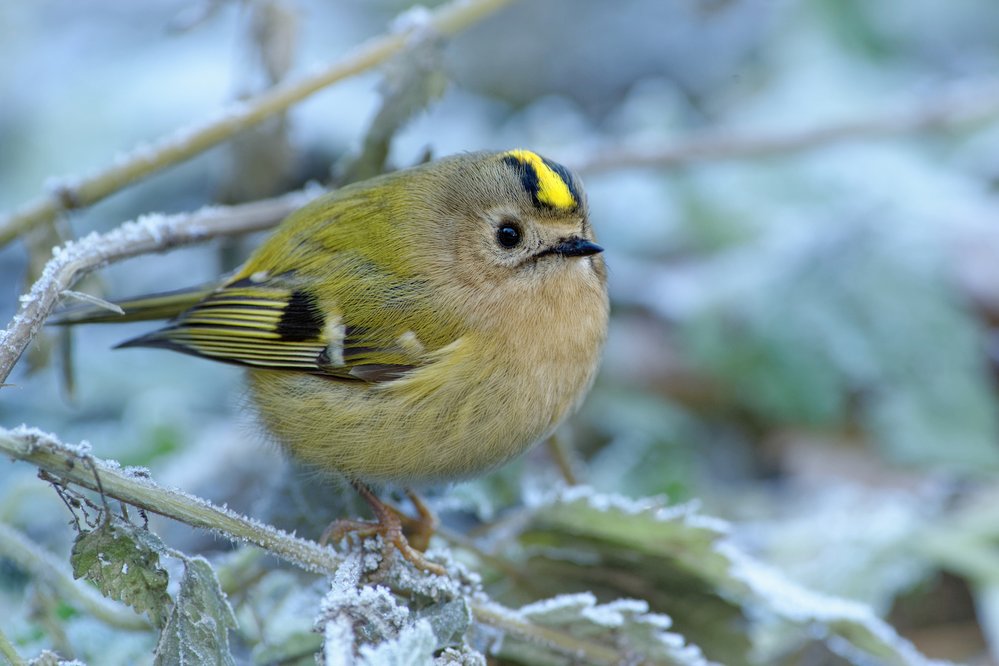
(803, 340)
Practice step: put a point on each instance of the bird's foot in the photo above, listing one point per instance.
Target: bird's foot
(388, 525)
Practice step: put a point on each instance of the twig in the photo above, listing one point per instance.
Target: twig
(148, 234)
(73, 193)
(8, 652)
(938, 112)
(41, 565)
(47, 453)
(562, 455)
(73, 464)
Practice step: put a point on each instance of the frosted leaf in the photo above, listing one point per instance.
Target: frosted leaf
(124, 562)
(449, 621)
(463, 656)
(369, 624)
(613, 615)
(351, 615)
(624, 625)
(559, 610)
(854, 631)
(678, 548)
(414, 646)
(197, 631)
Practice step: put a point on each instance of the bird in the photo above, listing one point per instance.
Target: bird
(417, 328)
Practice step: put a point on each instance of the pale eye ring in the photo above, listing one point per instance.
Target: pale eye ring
(509, 234)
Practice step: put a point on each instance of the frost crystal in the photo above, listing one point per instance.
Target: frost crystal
(416, 18)
(357, 614)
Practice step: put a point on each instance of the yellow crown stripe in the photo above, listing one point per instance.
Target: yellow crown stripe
(552, 189)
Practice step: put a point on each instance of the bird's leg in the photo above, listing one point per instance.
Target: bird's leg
(388, 525)
(423, 526)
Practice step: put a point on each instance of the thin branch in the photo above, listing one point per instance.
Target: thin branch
(8, 652)
(72, 193)
(42, 565)
(152, 233)
(934, 113)
(76, 465)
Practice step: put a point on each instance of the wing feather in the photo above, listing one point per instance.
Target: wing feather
(278, 325)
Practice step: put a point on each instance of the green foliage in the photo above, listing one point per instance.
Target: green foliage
(124, 562)
(197, 630)
(861, 345)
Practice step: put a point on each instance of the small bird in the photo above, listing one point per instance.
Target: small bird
(420, 327)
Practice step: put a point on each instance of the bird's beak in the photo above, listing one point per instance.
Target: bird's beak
(575, 247)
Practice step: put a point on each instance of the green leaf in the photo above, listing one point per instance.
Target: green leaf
(197, 631)
(124, 562)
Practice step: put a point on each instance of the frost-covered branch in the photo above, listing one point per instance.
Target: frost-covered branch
(71, 192)
(933, 113)
(151, 233)
(76, 465)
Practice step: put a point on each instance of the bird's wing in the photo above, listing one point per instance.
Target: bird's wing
(277, 324)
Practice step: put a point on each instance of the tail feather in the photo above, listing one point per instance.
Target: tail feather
(166, 305)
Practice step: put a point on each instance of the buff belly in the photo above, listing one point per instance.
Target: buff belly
(381, 433)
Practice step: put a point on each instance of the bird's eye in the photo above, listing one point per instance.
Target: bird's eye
(508, 235)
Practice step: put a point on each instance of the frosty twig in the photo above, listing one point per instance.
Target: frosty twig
(47, 453)
(70, 193)
(151, 233)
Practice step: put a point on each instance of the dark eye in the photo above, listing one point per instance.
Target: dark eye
(508, 235)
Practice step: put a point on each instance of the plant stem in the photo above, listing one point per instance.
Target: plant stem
(8, 652)
(47, 453)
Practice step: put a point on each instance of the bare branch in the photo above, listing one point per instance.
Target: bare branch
(72, 193)
(935, 113)
(152, 233)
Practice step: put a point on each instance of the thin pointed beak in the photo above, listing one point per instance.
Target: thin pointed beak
(576, 247)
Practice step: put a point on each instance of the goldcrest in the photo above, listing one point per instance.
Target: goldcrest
(422, 326)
